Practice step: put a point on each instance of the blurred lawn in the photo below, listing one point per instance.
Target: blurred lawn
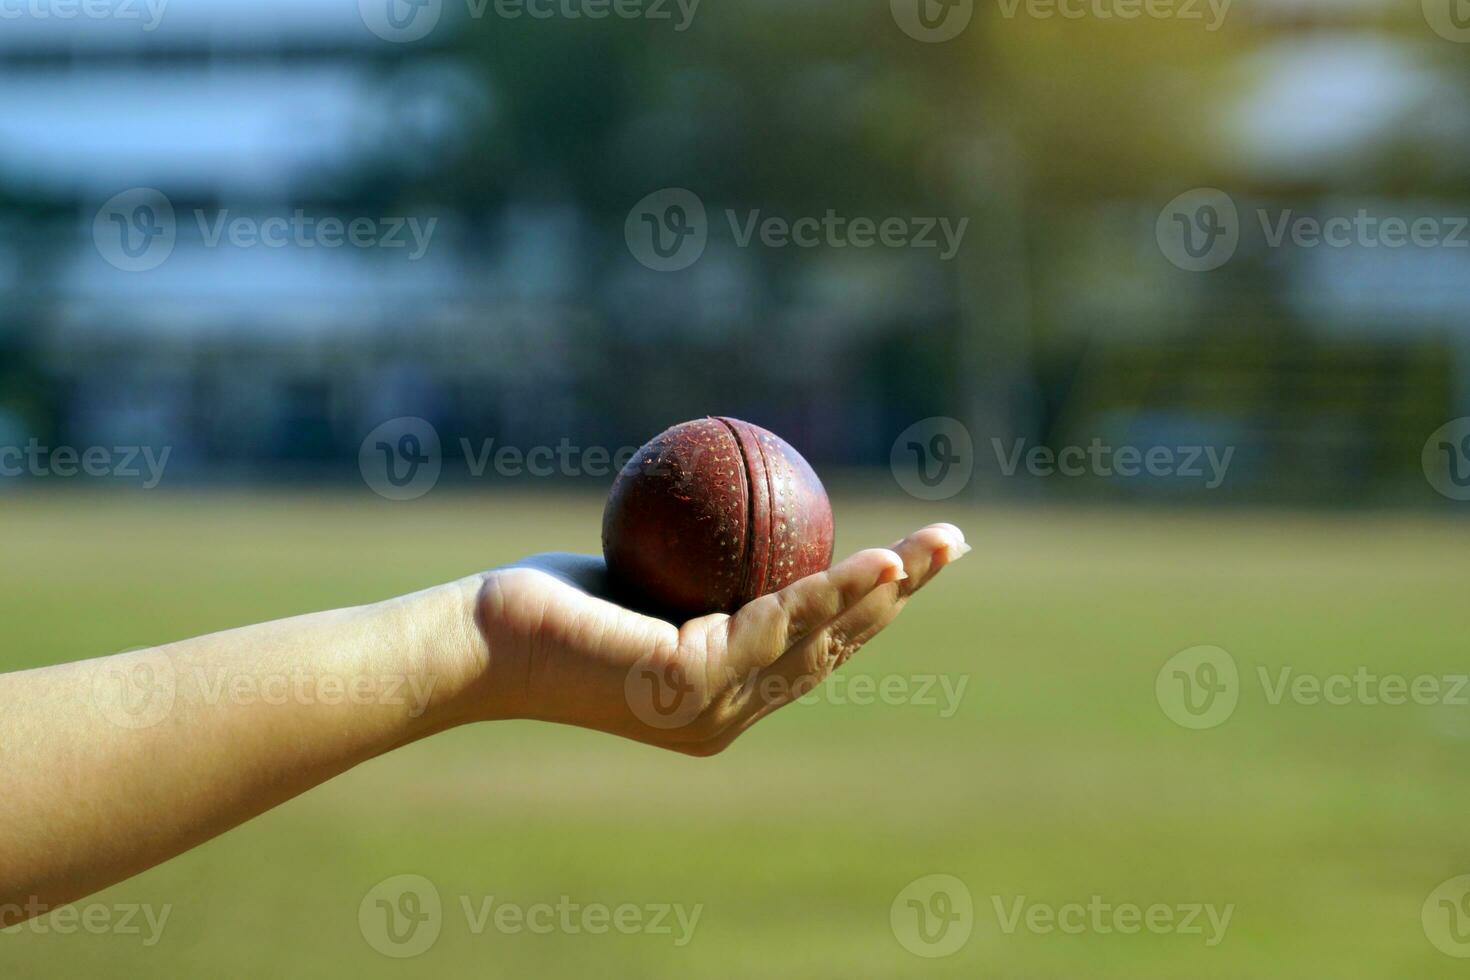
(1058, 779)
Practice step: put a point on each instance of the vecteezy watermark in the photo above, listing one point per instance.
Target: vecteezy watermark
(1446, 917)
(932, 21)
(403, 916)
(1200, 688)
(98, 462)
(1446, 459)
(141, 688)
(137, 231)
(1206, 463)
(835, 231)
(1450, 19)
(943, 693)
(933, 916)
(402, 21)
(135, 689)
(300, 230)
(1363, 686)
(1098, 916)
(662, 694)
(933, 459)
(669, 230)
(1209, 12)
(214, 687)
(148, 13)
(1201, 229)
(678, 14)
(144, 921)
(937, 21)
(402, 459)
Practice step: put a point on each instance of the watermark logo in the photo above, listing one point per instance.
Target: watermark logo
(933, 916)
(573, 918)
(115, 462)
(213, 687)
(400, 21)
(1182, 10)
(34, 916)
(1446, 917)
(300, 230)
(136, 689)
(1201, 688)
(402, 916)
(1362, 687)
(1198, 688)
(668, 230)
(135, 231)
(649, 10)
(149, 13)
(664, 693)
(403, 21)
(401, 459)
(943, 692)
(1101, 917)
(1199, 230)
(1207, 464)
(141, 688)
(933, 459)
(565, 459)
(1446, 459)
(1450, 19)
(932, 21)
(835, 231)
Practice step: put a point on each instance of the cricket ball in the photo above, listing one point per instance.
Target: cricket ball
(710, 515)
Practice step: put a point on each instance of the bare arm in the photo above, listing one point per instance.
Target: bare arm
(113, 765)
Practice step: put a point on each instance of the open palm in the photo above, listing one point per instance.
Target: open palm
(559, 651)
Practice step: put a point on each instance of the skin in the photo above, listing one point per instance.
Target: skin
(114, 765)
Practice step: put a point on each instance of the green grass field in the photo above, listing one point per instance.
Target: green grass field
(1058, 778)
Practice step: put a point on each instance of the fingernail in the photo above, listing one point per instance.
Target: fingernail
(957, 532)
(957, 551)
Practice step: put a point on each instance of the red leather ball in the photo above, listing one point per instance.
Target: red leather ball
(712, 514)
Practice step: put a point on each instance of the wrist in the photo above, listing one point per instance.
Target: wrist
(444, 658)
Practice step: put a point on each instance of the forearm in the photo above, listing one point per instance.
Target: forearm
(113, 765)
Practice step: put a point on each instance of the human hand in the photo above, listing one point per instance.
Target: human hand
(557, 650)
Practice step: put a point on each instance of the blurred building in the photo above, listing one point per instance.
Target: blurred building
(517, 149)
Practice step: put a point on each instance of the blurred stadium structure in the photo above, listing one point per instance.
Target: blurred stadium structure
(528, 320)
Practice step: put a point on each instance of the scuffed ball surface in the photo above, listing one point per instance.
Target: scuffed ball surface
(712, 514)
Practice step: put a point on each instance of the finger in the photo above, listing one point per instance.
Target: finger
(810, 661)
(764, 629)
(927, 551)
